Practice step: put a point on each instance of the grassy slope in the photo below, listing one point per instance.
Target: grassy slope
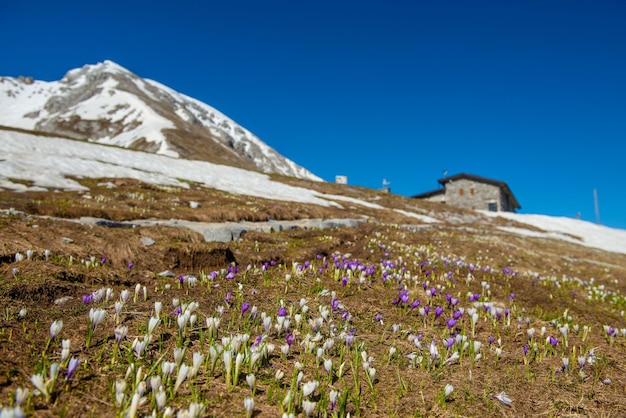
(554, 283)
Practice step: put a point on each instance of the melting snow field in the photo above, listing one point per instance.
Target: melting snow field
(590, 234)
(47, 163)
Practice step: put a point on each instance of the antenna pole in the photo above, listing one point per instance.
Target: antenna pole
(597, 205)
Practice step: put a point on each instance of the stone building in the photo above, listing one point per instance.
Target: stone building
(473, 192)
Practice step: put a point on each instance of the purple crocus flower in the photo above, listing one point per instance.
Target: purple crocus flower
(282, 311)
(71, 367)
(404, 297)
(88, 298)
(438, 311)
(334, 305)
(426, 310)
(610, 331)
(525, 348)
(457, 314)
(512, 296)
(344, 281)
(449, 342)
(474, 297)
(290, 339)
(415, 304)
(130, 265)
(181, 279)
(451, 323)
(230, 275)
(244, 307)
(553, 341)
(228, 297)
(257, 341)
(490, 339)
(378, 317)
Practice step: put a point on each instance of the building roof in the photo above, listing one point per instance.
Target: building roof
(502, 185)
(429, 194)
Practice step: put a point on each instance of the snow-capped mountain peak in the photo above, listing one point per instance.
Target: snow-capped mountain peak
(108, 104)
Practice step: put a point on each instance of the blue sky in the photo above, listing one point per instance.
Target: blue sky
(528, 92)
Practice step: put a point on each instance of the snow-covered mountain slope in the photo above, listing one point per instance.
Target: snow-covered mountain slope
(39, 163)
(107, 104)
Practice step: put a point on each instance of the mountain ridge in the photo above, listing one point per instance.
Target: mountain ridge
(108, 104)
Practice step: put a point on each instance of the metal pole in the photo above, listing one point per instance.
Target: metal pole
(597, 205)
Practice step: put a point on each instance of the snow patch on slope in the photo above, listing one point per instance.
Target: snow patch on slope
(568, 229)
(47, 163)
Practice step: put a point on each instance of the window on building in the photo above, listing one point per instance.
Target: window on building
(472, 191)
(460, 192)
(492, 207)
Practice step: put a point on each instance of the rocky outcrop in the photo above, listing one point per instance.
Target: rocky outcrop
(228, 231)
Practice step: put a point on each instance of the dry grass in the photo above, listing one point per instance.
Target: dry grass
(551, 282)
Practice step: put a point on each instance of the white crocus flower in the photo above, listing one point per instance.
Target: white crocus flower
(168, 367)
(120, 387)
(54, 373)
(328, 365)
(197, 360)
(183, 371)
(65, 350)
(251, 379)
(248, 405)
(309, 408)
(96, 316)
(504, 398)
(55, 329)
(238, 362)
(20, 396)
(161, 397)
(40, 384)
(178, 355)
(227, 358)
(333, 397)
(453, 358)
(155, 383)
(309, 387)
(153, 322)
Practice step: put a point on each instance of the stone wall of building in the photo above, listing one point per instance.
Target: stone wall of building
(470, 194)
